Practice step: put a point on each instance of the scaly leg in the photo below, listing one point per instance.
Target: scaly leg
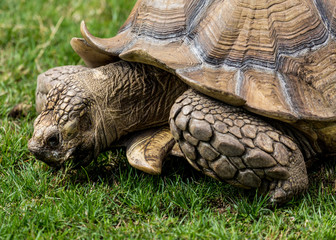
(230, 144)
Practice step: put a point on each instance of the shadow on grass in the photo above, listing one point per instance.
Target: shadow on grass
(179, 178)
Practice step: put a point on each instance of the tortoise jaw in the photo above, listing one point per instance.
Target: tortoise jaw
(53, 158)
(81, 158)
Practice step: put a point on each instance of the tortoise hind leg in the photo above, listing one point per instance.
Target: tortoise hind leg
(229, 144)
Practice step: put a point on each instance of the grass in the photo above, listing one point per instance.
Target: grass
(108, 200)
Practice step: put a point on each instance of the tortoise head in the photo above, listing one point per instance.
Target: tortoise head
(64, 129)
(90, 111)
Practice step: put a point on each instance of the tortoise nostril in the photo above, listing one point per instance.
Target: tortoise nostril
(32, 145)
(53, 140)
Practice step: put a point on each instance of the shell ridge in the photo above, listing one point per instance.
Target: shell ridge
(201, 6)
(246, 43)
(323, 15)
(283, 83)
(240, 79)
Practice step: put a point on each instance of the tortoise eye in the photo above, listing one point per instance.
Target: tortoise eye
(53, 140)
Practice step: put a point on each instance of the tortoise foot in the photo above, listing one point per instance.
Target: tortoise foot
(232, 145)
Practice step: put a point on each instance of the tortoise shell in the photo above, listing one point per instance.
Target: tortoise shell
(277, 58)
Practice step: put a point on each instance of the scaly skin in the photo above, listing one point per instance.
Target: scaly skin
(88, 111)
(47, 80)
(229, 144)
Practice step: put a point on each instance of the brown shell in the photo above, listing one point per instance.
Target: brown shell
(276, 58)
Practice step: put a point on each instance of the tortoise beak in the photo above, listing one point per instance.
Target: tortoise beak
(33, 147)
(41, 154)
(51, 157)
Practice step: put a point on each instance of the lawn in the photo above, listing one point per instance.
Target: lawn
(109, 198)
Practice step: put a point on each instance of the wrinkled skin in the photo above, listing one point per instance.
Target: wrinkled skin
(89, 111)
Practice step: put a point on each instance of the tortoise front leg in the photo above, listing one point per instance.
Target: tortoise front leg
(47, 80)
(227, 143)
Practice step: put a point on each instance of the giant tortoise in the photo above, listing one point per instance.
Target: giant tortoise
(246, 87)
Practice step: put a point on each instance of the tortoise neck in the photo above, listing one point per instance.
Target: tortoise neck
(130, 97)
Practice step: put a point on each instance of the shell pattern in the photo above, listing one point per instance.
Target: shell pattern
(276, 58)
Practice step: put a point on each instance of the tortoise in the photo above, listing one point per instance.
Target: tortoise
(243, 90)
